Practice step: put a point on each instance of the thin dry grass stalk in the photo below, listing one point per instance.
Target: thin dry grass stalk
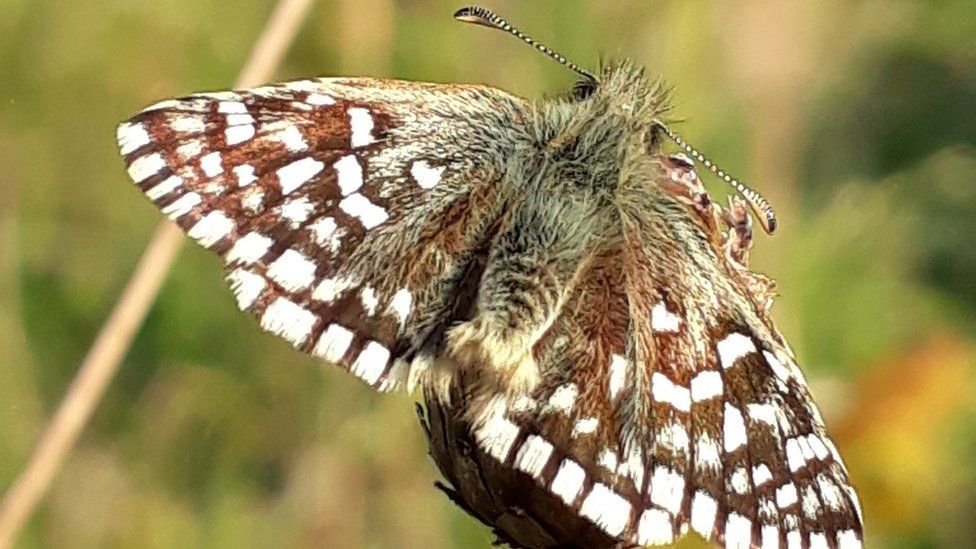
(115, 338)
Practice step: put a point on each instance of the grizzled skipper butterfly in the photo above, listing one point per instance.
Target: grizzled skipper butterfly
(599, 364)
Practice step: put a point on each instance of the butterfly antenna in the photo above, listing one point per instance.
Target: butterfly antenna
(487, 18)
(764, 212)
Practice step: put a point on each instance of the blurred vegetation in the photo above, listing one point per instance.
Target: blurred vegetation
(857, 119)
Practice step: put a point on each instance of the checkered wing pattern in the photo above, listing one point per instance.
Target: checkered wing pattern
(346, 209)
(668, 404)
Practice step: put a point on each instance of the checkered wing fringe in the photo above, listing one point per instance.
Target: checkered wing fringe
(647, 424)
(345, 209)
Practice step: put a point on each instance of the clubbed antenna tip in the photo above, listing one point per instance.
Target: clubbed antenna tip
(487, 18)
(473, 14)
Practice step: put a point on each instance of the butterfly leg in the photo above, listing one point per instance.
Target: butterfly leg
(739, 241)
(737, 244)
(530, 267)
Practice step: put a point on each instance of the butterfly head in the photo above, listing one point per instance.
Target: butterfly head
(623, 96)
(627, 93)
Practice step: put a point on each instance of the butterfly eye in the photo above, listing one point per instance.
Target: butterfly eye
(654, 137)
(583, 90)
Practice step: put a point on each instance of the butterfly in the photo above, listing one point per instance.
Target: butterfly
(570, 300)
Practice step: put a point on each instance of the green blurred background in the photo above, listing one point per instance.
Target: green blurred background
(858, 121)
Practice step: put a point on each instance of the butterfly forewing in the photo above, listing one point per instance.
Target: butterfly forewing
(346, 210)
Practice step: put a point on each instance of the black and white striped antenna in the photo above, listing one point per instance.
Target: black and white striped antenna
(487, 18)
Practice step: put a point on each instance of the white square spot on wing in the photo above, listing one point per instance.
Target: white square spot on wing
(830, 493)
(252, 200)
(568, 482)
(633, 466)
(211, 228)
(794, 455)
(734, 429)
(818, 541)
(664, 390)
(786, 495)
(331, 288)
(607, 459)
(189, 149)
(187, 124)
(308, 85)
(562, 399)
(805, 448)
(131, 136)
(703, 511)
(496, 436)
(333, 343)
(297, 211)
(182, 206)
(781, 371)
(674, 436)
(707, 454)
(167, 186)
(291, 137)
(618, 374)
(607, 509)
(322, 230)
(734, 347)
(770, 536)
(367, 295)
(425, 175)
(235, 135)
(144, 167)
(349, 174)
(819, 448)
(360, 127)
(738, 532)
(211, 164)
(247, 287)
(533, 456)
(761, 475)
(358, 206)
(292, 270)
(847, 539)
(654, 528)
(231, 107)
(667, 489)
(765, 413)
(740, 480)
(400, 305)
(288, 320)
(663, 320)
(318, 99)
(240, 120)
(249, 248)
(371, 362)
(299, 172)
(810, 504)
(245, 175)
(706, 385)
(585, 426)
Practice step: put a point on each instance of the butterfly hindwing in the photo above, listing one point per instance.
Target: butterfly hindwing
(733, 463)
(664, 408)
(346, 209)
